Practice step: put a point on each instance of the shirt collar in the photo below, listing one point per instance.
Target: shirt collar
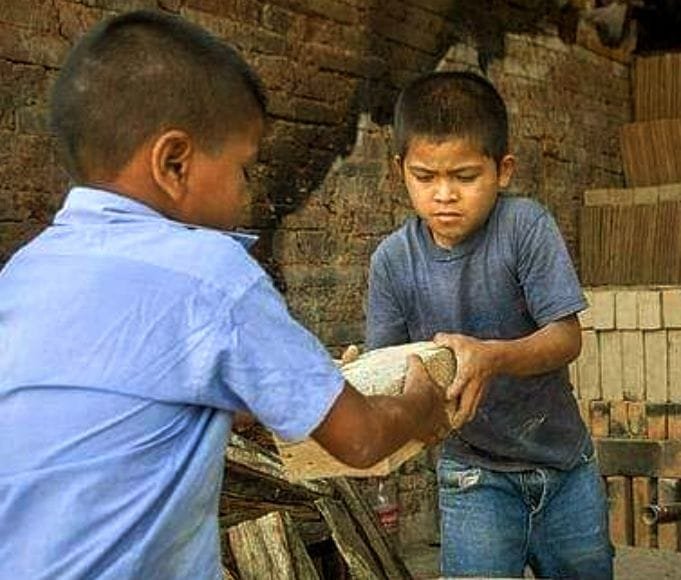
(86, 205)
(463, 248)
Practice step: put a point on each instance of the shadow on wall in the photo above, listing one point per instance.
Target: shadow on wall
(394, 42)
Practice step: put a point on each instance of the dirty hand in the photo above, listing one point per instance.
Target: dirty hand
(419, 386)
(474, 369)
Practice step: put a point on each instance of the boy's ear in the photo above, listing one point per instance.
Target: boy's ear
(171, 157)
(505, 171)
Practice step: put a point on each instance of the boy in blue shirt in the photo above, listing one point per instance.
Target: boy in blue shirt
(490, 278)
(132, 329)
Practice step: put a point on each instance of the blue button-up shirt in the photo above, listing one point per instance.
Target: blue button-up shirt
(127, 341)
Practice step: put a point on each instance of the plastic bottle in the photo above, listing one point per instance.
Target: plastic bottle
(387, 508)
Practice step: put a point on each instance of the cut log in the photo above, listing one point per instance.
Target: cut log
(378, 372)
(359, 559)
(270, 548)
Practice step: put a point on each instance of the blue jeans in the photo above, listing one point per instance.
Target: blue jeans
(495, 523)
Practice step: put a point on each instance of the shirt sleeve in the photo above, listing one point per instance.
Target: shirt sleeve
(546, 273)
(385, 320)
(280, 372)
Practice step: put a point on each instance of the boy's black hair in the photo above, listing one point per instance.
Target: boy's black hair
(138, 74)
(442, 105)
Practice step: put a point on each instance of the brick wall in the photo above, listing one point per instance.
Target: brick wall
(325, 194)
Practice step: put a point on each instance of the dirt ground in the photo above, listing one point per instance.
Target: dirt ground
(630, 563)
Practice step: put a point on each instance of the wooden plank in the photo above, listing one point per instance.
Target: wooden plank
(639, 457)
(378, 372)
(643, 494)
(270, 548)
(376, 536)
(668, 534)
(256, 460)
(360, 561)
(620, 511)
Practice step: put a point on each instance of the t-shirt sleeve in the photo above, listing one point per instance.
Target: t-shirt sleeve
(546, 273)
(279, 371)
(385, 319)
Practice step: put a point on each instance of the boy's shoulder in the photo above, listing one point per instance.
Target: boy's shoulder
(400, 240)
(520, 207)
(217, 258)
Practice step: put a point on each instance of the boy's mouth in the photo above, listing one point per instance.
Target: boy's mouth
(448, 216)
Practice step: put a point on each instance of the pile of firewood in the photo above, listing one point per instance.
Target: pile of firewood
(274, 528)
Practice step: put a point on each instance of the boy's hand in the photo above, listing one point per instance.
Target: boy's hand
(474, 369)
(422, 389)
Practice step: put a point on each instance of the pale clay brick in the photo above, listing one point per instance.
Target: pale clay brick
(674, 359)
(586, 320)
(655, 345)
(649, 309)
(610, 346)
(574, 378)
(596, 197)
(626, 312)
(671, 308)
(604, 309)
(633, 376)
(589, 367)
(645, 195)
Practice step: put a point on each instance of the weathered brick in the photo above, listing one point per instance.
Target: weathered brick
(655, 345)
(626, 310)
(633, 375)
(589, 367)
(649, 309)
(671, 308)
(610, 346)
(674, 358)
(603, 305)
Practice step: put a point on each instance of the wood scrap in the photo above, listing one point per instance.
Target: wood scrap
(270, 548)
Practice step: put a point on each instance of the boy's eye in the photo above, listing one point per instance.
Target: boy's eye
(467, 178)
(423, 177)
(247, 173)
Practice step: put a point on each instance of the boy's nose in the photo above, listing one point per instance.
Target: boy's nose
(446, 191)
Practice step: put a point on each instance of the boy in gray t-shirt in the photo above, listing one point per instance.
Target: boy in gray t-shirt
(490, 278)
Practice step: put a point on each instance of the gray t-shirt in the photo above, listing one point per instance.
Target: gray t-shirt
(505, 281)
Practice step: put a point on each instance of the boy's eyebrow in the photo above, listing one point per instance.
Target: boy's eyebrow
(424, 169)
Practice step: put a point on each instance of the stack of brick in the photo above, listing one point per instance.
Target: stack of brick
(628, 384)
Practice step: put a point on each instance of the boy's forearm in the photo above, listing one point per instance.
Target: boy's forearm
(361, 430)
(551, 347)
